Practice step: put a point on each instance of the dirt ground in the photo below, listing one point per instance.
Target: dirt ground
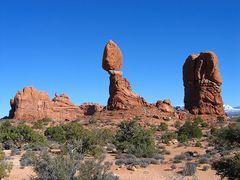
(152, 172)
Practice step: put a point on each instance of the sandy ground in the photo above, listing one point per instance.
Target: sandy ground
(17, 172)
(152, 172)
(163, 171)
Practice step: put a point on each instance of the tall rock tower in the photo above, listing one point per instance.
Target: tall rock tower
(202, 84)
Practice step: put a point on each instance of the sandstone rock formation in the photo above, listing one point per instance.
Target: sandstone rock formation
(112, 57)
(202, 84)
(165, 106)
(91, 108)
(31, 104)
(121, 94)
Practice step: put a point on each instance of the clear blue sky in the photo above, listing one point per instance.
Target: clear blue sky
(57, 46)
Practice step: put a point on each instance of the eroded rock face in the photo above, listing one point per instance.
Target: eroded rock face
(31, 104)
(165, 106)
(121, 94)
(202, 84)
(91, 108)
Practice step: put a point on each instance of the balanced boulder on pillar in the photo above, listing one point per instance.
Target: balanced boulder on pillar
(121, 94)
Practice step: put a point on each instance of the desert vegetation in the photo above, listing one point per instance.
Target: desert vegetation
(72, 150)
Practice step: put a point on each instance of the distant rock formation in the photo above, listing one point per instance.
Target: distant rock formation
(202, 84)
(91, 108)
(165, 106)
(31, 104)
(121, 94)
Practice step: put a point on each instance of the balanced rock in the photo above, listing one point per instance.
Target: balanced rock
(112, 57)
(31, 104)
(165, 106)
(121, 94)
(202, 84)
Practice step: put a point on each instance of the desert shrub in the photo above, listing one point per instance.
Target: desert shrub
(134, 139)
(182, 138)
(62, 133)
(189, 169)
(74, 130)
(15, 151)
(56, 133)
(5, 167)
(198, 144)
(179, 158)
(190, 129)
(163, 127)
(220, 119)
(228, 137)
(203, 160)
(103, 136)
(39, 124)
(93, 170)
(19, 134)
(204, 124)
(50, 167)
(166, 152)
(159, 157)
(87, 141)
(28, 159)
(131, 160)
(228, 167)
(177, 124)
(168, 136)
(64, 167)
(213, 130)
(92, 120)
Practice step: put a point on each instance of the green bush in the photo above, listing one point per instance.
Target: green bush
(177, 124)
(5, 167)
(48, 167)
(56, 133)
(134, 139)
(94, 170)
(220, 119)
(66, 167)
(227, 137)
(41, 123)
(189, 169)
(103, 136)
(168, 136)
(190, 129)
(19, 134)
(198, 144)
(183, 138)
(228, 167)
(163, 127)
(87, 141)
(28, 158)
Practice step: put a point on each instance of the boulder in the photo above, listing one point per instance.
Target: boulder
(202, 85)
(165, 106)
(112, 57)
